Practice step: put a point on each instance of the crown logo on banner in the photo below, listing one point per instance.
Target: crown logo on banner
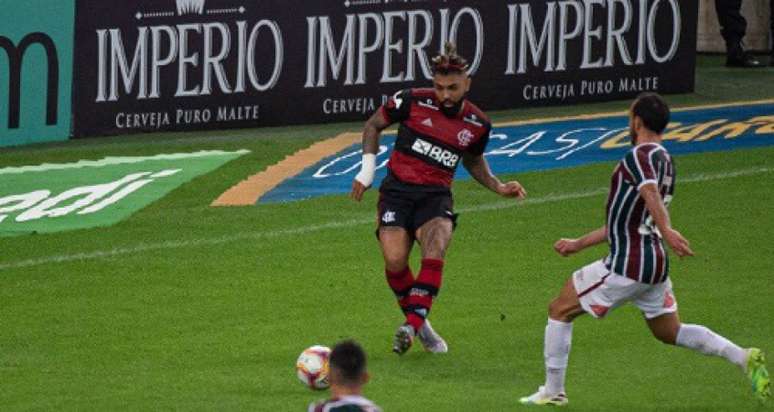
(190, 7)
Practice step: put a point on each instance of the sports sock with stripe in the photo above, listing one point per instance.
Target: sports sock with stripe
(400, 283)
(424, 290)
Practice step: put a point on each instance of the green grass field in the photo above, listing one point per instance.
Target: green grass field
(189, 307)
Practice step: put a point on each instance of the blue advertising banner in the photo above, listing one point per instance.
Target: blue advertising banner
(36, 64)
(556, 144)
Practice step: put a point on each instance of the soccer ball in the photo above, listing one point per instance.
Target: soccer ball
(312, 366)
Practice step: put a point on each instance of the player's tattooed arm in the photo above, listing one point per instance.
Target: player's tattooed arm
(478, 167)
(364, 179)
(373, 129)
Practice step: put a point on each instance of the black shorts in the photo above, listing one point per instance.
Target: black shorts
(411, 206)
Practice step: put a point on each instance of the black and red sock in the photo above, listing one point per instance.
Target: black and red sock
(425, 289)
(400, 283)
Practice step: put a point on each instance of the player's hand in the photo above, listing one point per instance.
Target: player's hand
(357, 190)
(512, 189)
(678, 243)
(567, 247)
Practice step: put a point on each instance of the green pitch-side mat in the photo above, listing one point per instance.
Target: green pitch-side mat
(89, 193)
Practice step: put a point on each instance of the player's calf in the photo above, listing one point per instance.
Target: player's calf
(665, 328)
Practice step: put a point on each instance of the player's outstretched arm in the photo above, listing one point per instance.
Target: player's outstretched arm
(567, 247)
(478, 167)
(660, 215)
(371, 132)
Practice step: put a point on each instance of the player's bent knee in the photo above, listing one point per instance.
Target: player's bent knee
(395, 261)
(395, 266)
(433, 252)
(557, 310)
(552, 308)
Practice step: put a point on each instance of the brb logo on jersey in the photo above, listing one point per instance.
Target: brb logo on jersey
(436, 153)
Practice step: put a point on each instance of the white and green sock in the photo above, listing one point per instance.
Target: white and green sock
(556, 354)
(701, 339)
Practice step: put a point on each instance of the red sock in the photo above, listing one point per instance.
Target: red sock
(425, 289)
(400, 283)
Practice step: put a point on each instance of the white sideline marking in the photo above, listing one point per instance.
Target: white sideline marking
(116, 160)
(99, 254)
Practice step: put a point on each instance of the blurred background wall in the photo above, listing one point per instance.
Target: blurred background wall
(755, 11)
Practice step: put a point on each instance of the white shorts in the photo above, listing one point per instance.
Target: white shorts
(600, 290)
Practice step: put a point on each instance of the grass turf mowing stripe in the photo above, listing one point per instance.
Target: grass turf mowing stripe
(99, 254)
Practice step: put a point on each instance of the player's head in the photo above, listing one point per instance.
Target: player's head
(450, 80)
(348, 365)
(649, 114)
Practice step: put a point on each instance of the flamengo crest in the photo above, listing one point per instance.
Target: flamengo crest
(464, 137)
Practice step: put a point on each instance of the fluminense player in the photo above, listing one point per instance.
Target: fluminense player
(637, 268)
(439, 128)
(348, 375)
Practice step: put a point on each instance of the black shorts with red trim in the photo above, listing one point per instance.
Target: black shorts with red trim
(411, 206)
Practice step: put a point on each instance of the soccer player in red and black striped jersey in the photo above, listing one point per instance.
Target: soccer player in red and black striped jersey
(439, 128)
(637, 268)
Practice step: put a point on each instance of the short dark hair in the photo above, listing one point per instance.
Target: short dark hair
(653, 110)
(349, 359)
(450, 62)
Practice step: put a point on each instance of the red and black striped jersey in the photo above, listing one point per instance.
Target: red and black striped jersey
(431, 145)
(636, 248)
(352, 403)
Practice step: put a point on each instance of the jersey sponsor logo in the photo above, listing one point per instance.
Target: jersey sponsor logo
(436, 153)
(464, 137)
(428, 103)
(428, 122)
(473, 119)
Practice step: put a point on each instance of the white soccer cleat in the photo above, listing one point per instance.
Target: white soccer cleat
(431, 340)
(404, 337)
(541, 398)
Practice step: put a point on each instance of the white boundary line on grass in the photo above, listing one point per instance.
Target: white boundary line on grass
(100, 254)
(117, 160)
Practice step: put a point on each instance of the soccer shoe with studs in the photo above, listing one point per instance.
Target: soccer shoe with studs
(404, 337)
(757, 373)
(431, 340)
(540, 398)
